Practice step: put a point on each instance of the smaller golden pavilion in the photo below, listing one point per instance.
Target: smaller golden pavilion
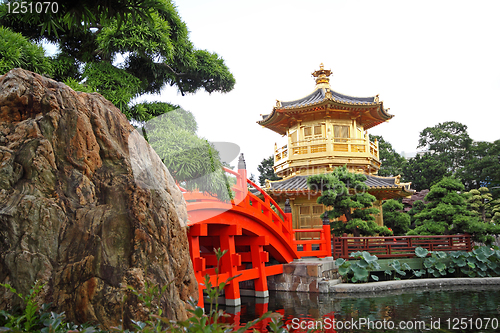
(326, 129)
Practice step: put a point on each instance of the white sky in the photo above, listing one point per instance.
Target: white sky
(430, 62)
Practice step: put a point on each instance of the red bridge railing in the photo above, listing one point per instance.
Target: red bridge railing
(250, 228)
(319, 246)
(398, 246)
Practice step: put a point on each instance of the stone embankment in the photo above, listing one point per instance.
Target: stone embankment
(321, 276)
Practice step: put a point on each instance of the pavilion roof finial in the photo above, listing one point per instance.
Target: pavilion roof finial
(322, 75)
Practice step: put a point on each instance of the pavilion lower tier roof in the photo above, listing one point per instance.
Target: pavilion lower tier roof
(377, 185)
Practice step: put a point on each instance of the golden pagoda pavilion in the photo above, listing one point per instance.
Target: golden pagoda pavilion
(326, 129)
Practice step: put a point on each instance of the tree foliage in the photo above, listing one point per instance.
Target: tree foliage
(192, 161)
(423, 171)
(482, 165)
(449, 141)
(418, 206)
(345, 193)
(123, 49)
(481, 203)
(447, 214)
(392, 162)
(72, 15)
(395, 218)
(266, 170)
(17, 51)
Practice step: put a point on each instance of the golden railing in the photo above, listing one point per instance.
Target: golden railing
(320, 145)
(324, 145)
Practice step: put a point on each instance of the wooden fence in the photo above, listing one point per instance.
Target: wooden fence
(398, 246)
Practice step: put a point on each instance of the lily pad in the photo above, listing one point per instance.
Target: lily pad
(421, 252)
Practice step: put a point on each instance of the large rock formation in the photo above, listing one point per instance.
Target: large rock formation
(86, 206)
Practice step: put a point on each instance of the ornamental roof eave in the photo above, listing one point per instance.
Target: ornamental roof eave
(298, 184)
(320, 96)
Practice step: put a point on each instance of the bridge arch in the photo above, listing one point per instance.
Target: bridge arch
(255, 232)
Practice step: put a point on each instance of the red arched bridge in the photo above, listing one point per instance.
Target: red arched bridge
(259, 238)
(256, 233)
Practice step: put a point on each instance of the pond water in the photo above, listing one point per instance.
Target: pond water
(455, 309)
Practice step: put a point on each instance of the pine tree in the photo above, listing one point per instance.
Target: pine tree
(447, 214)
(395, 218)
(266, 170)
(345, 193)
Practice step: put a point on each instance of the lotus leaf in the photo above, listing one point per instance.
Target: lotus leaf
(441, 254)
(440, 266)
(482, 257)
(428, 264)
(482, 266)
(419, 273)
(488, 252)
(360, 274)
(421, 252)
(362, 263)
(368, 257)
(343, 270)
(339, 261)
(395, 264)
(355, 254)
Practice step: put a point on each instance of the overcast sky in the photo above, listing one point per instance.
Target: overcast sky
(429, 61)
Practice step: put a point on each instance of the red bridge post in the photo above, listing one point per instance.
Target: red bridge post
(242, 181)
(288, 217)
(328, 235)
(230, 262)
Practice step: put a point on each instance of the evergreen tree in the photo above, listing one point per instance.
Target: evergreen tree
(395, 218)
(449, 142)
(345, 193)
(418, 206)
(481, 203)
(266, 170)
(447, 214)
(482, 165)
(191, 160)
(392, 162)
(423, 171)
(17, 51)
(148, 36)
(152, 43)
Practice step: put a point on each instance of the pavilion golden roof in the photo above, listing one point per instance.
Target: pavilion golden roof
(325, 102)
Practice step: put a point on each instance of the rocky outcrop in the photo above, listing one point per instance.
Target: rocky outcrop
(86, 207)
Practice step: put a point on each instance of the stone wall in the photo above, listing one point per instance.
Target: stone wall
(307, 275)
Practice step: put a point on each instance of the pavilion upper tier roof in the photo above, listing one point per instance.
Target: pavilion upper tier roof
(319, 95)
(368, 110)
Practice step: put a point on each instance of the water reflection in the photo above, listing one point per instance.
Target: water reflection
(453, 309)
